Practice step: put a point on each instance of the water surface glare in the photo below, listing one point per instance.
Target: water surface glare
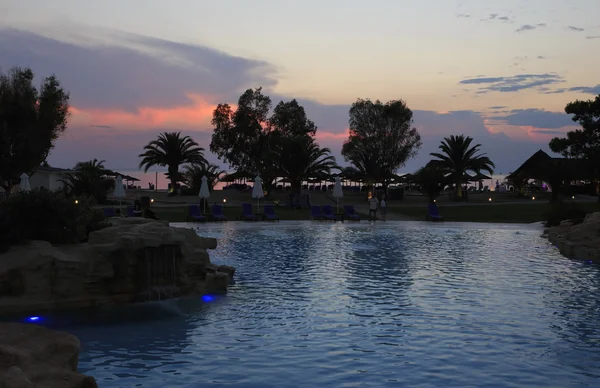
(365, 305)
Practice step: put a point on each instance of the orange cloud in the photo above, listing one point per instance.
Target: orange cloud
(196, 115)
(328, 135)
(526, 132)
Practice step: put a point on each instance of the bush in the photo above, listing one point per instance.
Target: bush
(41, 214)
(561, 211)
(189, 191)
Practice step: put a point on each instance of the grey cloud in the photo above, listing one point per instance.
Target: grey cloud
(537, 118)
(496, 16)
(326, 117)
(101, 126)
(463, 15)
(497, 107)
(547, 132)
(586, 89)
(573, 28)
(529, 27)
(593, 37)
(554, 91)
(513, 83)
(136, 71)
(525, 27)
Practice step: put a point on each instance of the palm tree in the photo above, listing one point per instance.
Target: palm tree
(301, 158)
(192, 175)
(89, 178)
(430, 181)
(171, 150)
(458, 157)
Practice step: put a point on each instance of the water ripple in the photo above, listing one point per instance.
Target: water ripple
(338, 305)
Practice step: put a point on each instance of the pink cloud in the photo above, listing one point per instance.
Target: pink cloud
(323, 135)
(197, 115)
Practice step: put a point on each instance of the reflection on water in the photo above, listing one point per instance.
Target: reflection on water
(335, 305)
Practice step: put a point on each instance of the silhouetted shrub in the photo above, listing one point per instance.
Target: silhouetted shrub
(564, 211)
(189, 191)
(41, 214)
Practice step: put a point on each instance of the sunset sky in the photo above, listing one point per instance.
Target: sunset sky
(499, 71)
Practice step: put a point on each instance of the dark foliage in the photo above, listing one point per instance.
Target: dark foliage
(564, 211)
(171, 150)
(47, 215)
(381, 139)
(30, 122)
(89, 179)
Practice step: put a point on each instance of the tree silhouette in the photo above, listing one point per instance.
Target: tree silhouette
(192, 175)
(30, 122)
(171, 150)
(583, 143)
(458, 157)
(381, 139)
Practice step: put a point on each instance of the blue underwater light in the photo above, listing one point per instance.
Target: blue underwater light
(33, 319)
(207, 298)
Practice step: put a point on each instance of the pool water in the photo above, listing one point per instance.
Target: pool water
(364, 305)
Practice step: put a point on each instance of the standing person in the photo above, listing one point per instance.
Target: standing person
(373, 202)
(383, 207)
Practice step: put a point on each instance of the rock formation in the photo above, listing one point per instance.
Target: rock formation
(133, 260)
(578, 241)
(32, 356)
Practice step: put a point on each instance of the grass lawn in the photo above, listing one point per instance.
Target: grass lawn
(500, 213)
(179, 214)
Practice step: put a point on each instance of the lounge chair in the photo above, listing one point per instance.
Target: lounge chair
(109, 212)
(217, 213)
(270, 213)
(432, 213)
(247, 214)
(350, 213)
(132, 213)
(195, 214)
(315, 213)
(328, 213)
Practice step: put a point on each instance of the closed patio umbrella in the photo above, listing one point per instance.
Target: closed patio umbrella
(24, 185)
(257, 192)
(204, 192)
(119, 191)
(338, 192)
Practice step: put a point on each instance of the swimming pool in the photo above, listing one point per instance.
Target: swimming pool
(365, 305)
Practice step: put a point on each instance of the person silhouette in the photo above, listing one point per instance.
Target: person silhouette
(373, 202)
(383, 207)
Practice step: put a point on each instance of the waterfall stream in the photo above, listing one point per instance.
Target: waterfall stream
(161, 273)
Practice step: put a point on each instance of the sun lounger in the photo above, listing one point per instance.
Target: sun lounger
(432, 213)
(350, 213)
(270, 213)
(195, 214)
(328, 213)
(247, 214)
(217, 213)
(316, 214)
(109, 212)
